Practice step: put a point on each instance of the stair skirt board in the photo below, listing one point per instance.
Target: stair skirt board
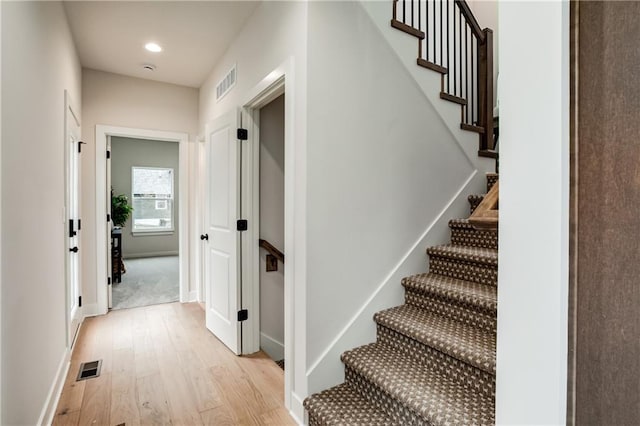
(434, 358)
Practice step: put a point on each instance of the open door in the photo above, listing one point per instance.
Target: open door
(73, 147)
(109, 228)
(221, 238)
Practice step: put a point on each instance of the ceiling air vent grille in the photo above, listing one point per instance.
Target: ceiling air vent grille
(226, 84)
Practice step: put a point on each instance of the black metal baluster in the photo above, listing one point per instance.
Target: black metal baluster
(466, 70)
(434, 33)
(420, 17)
(473, 93)
(455, 79)
(426, 29)
(441, 51)
(448, 53)
(460, 34)
(404, 11)
(412, 13)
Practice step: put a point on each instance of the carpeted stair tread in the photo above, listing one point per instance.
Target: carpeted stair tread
(479, 255)
(464, 342)
(462, 292)
(343, 405)
(436, 398)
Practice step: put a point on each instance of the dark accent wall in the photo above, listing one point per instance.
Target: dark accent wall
(606, 250)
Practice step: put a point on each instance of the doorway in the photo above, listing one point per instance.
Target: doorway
(234, 135)
(105, 136)
(144, 215)
(271, 226)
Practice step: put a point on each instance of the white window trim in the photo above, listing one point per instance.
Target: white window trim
(151, 232)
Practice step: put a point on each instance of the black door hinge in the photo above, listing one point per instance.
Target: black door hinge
(80, 143)
(80, 301)
(72, 232)
(243, 134)
(108, 154)
(108, 280)
(242, 224)
(79, 224)
(108, 217)
(243, 315)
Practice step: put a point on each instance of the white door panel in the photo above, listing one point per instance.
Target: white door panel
(72, 149)
(222, 245)
(109, 228)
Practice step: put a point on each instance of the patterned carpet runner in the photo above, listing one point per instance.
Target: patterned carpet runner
(434, 359)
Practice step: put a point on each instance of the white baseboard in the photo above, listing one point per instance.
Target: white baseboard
(51, 403)
(193, 296)
(126, 256)
(297, 410)
(272, 347)
(91, 310)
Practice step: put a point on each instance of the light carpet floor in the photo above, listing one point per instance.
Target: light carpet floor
(148, 281)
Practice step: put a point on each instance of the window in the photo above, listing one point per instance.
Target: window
(152, 190)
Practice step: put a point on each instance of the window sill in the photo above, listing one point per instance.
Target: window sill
(151, 233)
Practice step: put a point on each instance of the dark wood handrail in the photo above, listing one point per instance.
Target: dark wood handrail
(272, 250)
(471, 20)
(485, 216)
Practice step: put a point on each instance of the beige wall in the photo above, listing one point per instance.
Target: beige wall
(38, 63)
(116, 100)
(125, 154)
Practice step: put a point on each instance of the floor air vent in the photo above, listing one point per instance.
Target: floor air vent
(89, 370)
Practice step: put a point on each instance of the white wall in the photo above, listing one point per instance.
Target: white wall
(0, 214)
(534, 190)
(272, 226)
(276, 33)
(486, 13)
(388, 166)
(112, 99)
(130, 152)
(38, 63)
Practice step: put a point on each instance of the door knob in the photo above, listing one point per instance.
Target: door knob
(204, 237)
(74, 249)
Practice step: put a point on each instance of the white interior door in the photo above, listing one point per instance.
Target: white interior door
(109, 227)
(221, 238)
(72, 149)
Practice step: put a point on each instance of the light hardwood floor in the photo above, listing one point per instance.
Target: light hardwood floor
(160, 365)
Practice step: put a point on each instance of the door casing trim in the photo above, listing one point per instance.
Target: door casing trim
(102, 133)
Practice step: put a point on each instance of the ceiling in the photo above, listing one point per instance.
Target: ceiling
(110, 36)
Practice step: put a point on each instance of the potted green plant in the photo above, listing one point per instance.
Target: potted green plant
(120, 209)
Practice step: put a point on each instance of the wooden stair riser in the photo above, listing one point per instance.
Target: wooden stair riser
(448, 309)
(461, 270)
(468, 236)
(399, 413)
(458, 371)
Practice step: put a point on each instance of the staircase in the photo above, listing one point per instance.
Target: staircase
(434, 359)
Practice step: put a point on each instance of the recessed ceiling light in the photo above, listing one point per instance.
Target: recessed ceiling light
(153, 47)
